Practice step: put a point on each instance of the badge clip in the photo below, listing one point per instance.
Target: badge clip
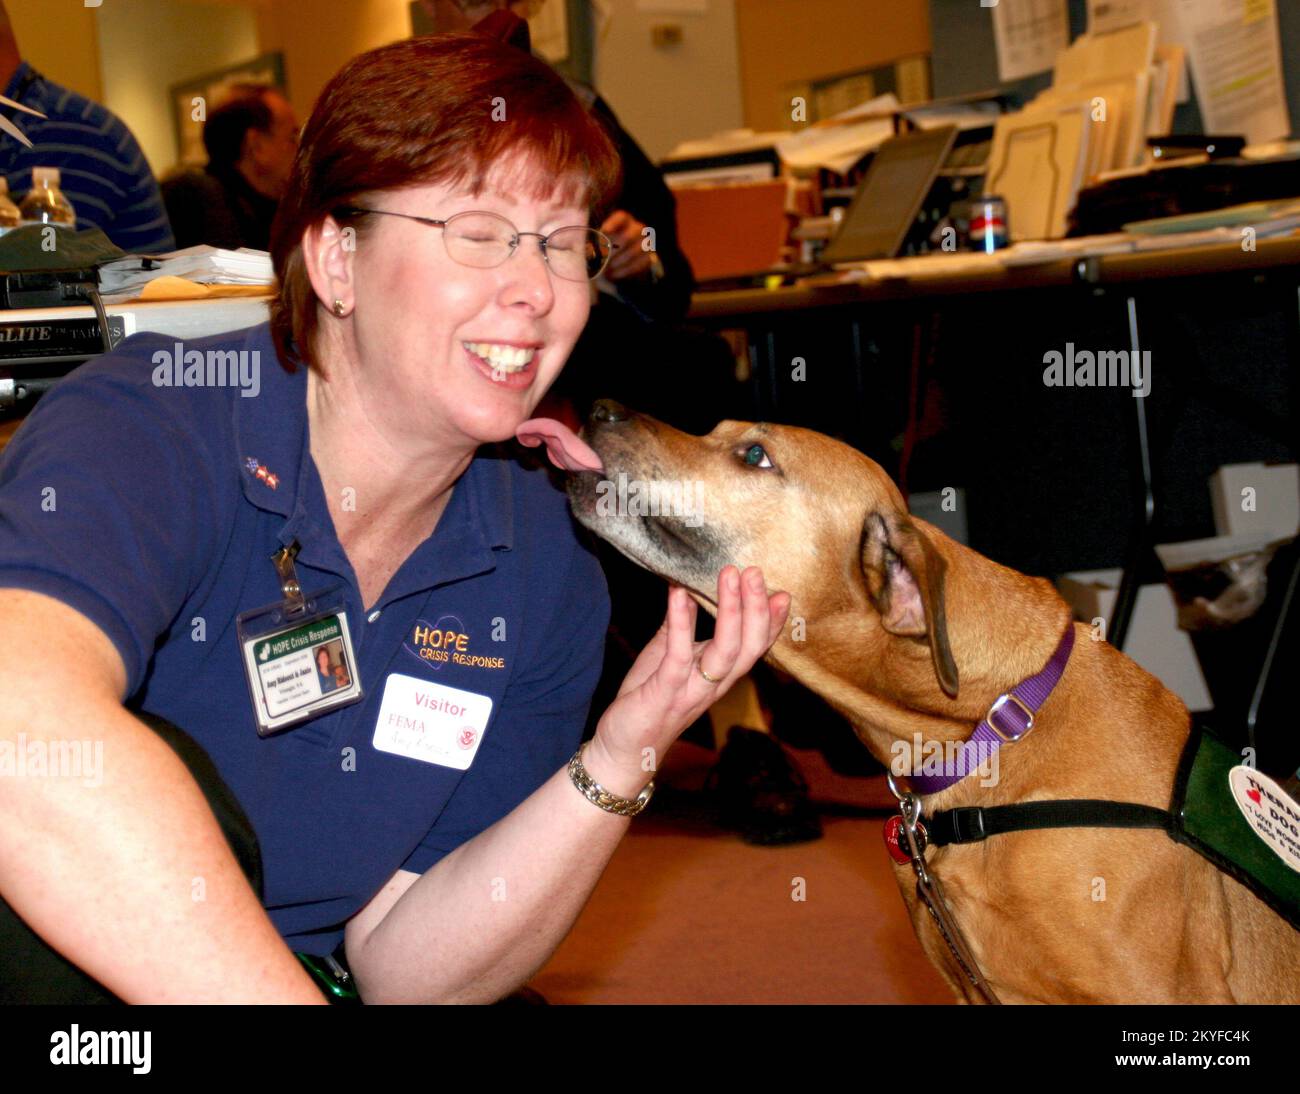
(295, 602)
(297, 652)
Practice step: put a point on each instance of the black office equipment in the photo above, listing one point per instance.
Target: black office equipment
(890, 195)
(44, 266)
(1179, 189)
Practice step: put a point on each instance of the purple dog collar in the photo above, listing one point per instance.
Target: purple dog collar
(1009, 718)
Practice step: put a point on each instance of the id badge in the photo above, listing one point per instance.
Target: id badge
(297, 653)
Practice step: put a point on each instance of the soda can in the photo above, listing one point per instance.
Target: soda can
(988, 224)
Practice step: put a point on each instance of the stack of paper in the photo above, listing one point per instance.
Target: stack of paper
(975, 115)
(839, 142)
(1109, 92)
(203, 265)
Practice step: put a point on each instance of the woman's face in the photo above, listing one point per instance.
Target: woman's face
(431, 335)
(323, 661)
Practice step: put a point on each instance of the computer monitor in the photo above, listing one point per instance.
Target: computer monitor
(890, 195)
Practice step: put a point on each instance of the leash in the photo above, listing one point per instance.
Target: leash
(1009, 718)
(930, 892)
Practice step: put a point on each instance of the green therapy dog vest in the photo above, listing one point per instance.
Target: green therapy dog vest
(1239, 819)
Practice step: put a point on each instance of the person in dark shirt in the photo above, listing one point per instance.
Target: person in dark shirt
(251, 139)
(431, 355)
(102, 170)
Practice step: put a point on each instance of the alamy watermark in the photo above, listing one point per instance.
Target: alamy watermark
(53, 759)
(122, 1048)
(1105, 368)
(944, 758)
(183, 367)
(679, 498)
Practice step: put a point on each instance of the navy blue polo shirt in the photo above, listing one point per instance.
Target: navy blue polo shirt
(154, 511)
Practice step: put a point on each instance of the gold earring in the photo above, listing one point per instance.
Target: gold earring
(339, 308)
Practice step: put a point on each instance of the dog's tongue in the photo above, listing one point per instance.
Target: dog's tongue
(567, 450)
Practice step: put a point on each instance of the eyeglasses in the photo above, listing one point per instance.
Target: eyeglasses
(484, 240)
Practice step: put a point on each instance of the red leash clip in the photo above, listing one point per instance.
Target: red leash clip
(896, 843)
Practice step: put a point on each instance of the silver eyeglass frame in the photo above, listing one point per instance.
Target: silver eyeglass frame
(436, 222)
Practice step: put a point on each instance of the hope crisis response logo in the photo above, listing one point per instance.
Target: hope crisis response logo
(447, 642)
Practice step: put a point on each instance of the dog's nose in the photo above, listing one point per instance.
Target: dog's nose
(607, 410)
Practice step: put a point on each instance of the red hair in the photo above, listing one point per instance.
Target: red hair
(445, 110)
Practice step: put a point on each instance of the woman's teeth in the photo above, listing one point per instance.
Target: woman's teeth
(501, 357)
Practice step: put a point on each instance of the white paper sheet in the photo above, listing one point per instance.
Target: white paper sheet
(1236, 63)
(1028, 35)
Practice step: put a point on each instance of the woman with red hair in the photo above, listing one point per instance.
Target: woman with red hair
(434, 823)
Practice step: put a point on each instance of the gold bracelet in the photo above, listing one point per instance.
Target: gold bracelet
(598, 795)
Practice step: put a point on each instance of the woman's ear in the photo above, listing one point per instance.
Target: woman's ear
(905, 578)
(328, 250)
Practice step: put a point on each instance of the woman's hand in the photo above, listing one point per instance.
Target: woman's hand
(666, 689)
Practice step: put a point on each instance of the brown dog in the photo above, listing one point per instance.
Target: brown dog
(907, 632)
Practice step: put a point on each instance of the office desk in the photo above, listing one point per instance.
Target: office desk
(847, 335)
(722, 308)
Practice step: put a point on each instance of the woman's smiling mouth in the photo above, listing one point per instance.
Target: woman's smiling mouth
(503, 362)
(502, 355)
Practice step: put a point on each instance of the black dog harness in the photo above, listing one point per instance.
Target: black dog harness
(1253, 839)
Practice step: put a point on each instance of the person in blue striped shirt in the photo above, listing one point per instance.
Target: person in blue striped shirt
(103, 172)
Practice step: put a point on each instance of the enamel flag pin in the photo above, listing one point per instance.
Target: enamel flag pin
(260, 471)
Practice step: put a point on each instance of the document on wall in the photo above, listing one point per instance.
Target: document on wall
(1107, 15)
(1028, 35)
(1236, 62)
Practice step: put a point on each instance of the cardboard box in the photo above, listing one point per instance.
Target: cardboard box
(1153, 641)
(1276, 499)
(733, 229)
(929, 506)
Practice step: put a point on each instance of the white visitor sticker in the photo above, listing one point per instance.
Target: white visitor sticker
(431, 722)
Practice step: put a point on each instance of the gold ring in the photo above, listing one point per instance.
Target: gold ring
(711, 679)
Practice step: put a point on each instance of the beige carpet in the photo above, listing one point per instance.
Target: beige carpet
(689, 913)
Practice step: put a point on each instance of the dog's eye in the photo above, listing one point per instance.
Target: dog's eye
(755, 456)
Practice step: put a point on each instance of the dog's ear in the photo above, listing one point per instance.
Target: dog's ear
(905, 578)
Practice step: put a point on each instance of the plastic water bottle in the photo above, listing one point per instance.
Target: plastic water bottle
(9, 215)
(45, 203)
